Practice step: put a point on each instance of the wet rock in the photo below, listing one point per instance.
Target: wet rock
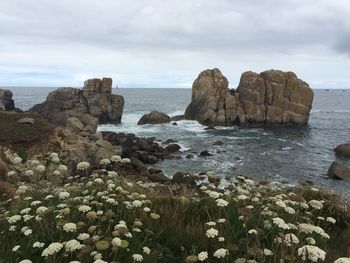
(168, 141)
(205, 153)
(184, 178)
(26, 121)
(210, 127)
(343, 150)
(177, 118)
(173, 148)
(339, 171)
(156, 175)
(218, 143)
(154, 117)
(189, 156)
(174, 123)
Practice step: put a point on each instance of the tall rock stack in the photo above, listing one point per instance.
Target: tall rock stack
(6, 101)
(271, 97)
(94, 99)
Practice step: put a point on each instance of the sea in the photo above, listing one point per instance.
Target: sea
(293, 154)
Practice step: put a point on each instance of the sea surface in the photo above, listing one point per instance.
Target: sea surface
(287, 153)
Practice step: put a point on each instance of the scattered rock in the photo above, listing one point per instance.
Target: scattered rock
(177, 118)
(339, 171)
(174, 123)
(94, 99)
(154, 117)
(343, 150)
(271, 97)
(26, 121)
(173, 147)
(156, 175)
(184, 178)
(205, 153)
(189, 156)
(95, 136)
(218, 143)
(168, 141)
(210, 127)
(6, 101)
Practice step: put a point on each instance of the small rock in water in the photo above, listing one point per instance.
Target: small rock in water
(339, 171)
(174, 123)
(210, 127)
(173, 147)
(218, 143)
(343, 150)
(189, 156)
(205, 153)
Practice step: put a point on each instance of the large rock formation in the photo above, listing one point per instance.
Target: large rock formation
(6, 101)
(95, 99)
(271, 97)
(343, 150)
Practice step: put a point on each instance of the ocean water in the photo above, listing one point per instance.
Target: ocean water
(289, 153)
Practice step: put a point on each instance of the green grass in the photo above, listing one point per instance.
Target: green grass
(12, 132)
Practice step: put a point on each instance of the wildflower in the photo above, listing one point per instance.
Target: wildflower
(41, 209)
(342, 260)
(29, 173)
(290, 239)
(84, 208)
(289, 210)
(212, 232)
(281, 204)
(11, 173)
(15, 248)
(55, 160)
(146, 209)
(267, 252)
(125, 160)
(25, 261)
(315, 204)
(63, 195)
(38, 245)
(83, 236)
(310, 240)
(40, 168)
(242, 197)
(221, 202)
(14, 219)
(105, 162)
(202, 255)
(137, 257)
(116, 242)
(221, 253)
(211, 223)
(221, 239)
(146, 250)
(154, 216)
(331, 220)
(12, 228)
(22, 189)
(280, 223)
(116, 158)
(52, 249)
(252, 232)
(54, 155)
(56, 173)
(72, 245)
(102, 245)
(35, 203)
(48, 197)
(221, 220)
(70, 227)
(62, 168)
(311, 253)
(16, 160)
(83, 166)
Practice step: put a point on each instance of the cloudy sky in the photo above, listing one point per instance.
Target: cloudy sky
(161, 43)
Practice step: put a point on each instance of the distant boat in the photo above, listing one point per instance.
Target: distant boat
(116, 86)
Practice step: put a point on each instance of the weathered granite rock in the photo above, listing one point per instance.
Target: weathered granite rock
(154, 117)
(6, 101)
(271, 97)
(339, 171)
(343, 150)
(94, 99)
(26, 121)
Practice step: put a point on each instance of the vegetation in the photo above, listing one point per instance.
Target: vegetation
(13, 132)
(103, 217)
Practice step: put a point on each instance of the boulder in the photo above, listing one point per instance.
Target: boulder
(271, 97)
(173, 147)
(154, 117)
(74, 124)
(94, 99)
(339, 171)
(26, 121)
(6, 101)
(177, 118)
(184, 178)
(343, 150)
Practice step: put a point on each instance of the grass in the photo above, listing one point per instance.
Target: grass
(13, 132)
(124, 221)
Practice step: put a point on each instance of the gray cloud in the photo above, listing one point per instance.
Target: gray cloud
(158, 43)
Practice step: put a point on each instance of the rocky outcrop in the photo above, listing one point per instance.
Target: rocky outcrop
(343, 150)
(94, 99)
(271, 97)
(154, 117)
(6, 101)
(339, 171)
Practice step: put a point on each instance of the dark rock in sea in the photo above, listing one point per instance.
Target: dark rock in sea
(218, 143)
(94, 99)
(343, 150)
(205, 153)
(210, 127)
(184, 178)
(6, 101)
(177, 118)
(154, 117)
(189, 156)
(174, 123)
(173, 147)
(339, 171)
(157, 175)
(271, 97)
(168, 141)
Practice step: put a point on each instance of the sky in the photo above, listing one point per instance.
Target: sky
(166, 44)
